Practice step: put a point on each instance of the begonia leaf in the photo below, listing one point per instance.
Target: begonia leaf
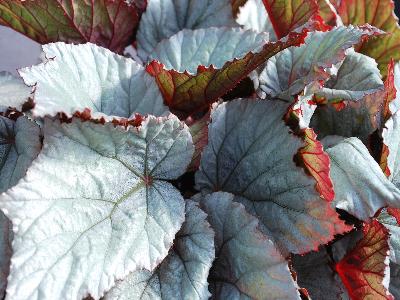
(183, 273)
(78, 77)
(110, 24)
(260, 171)
(95, 205)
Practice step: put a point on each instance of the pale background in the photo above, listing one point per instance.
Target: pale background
(16, 50)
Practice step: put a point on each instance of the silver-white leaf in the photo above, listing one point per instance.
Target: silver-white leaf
(248, 264)
(188, 49)
(183, 273)
(95, 206)
(75, 77)
(250, 154)
(164, 18)
(361, 188)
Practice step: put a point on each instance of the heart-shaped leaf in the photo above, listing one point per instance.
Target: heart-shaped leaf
(95, 206)
(260, 170)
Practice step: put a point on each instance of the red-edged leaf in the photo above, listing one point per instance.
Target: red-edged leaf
(394, 212)
(286, 15)
(108, 23)
(236, 4)
(327, 12)
(199, 131)
(364, 270)
(389, 95)
(380, 14)
(317, 163)
(263, 175)
(185, 93)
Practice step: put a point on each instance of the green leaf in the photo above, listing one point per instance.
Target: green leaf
(183, 273)
(251, 153)
(110, 24)
(248, 264)
(95, 206)
(75, 77)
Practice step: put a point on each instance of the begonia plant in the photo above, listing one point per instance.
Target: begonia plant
(248, 149)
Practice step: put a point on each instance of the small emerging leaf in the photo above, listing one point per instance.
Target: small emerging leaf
(199, 131)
